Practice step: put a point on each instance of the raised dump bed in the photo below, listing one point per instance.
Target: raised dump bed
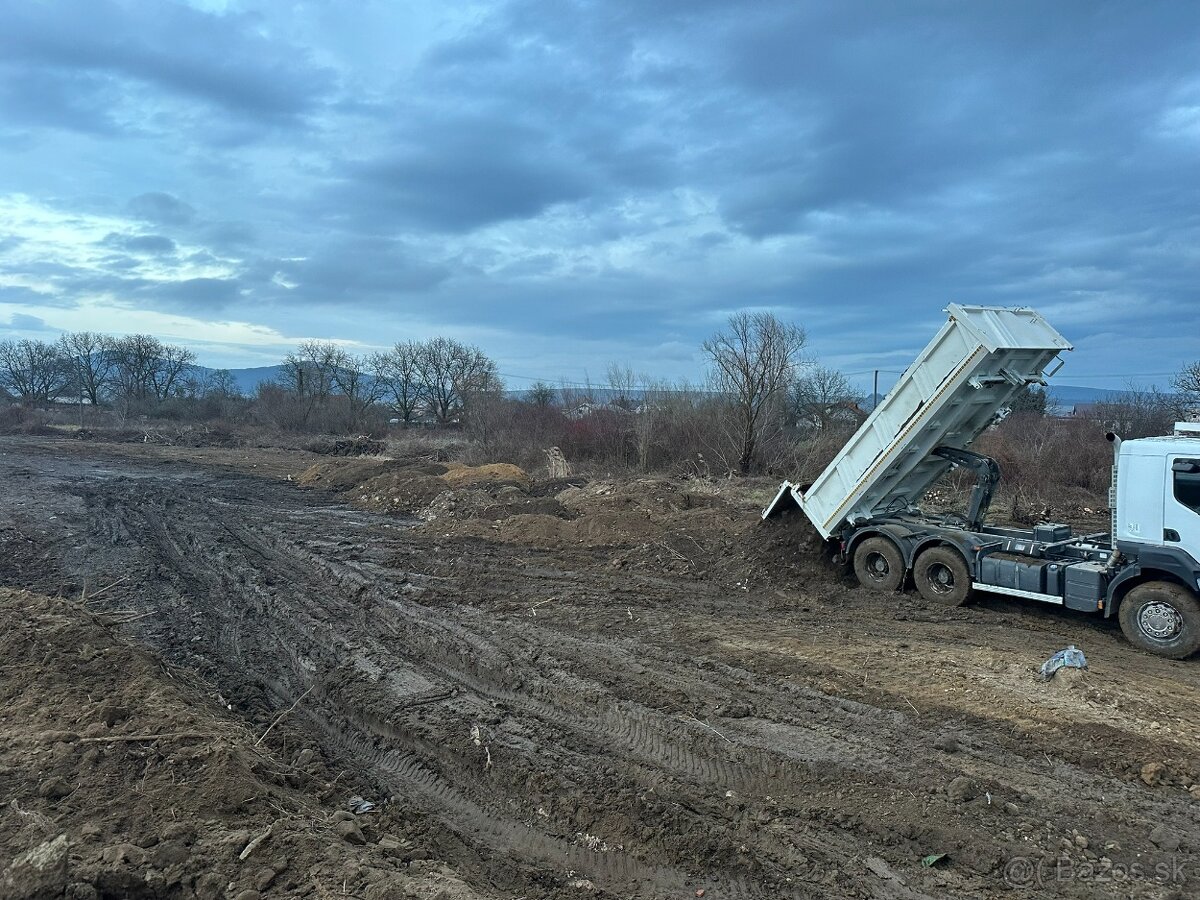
(971, 369)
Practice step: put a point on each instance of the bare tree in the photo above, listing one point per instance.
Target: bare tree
(37, 371)
(1136, 412)
(307, 373)
(754, 360)
(146, 371)
(1187, 383)
(622, 384)
(221, 385)
(400, 374)
(823, 397)
(134, 358)
(91, 361)
(451, 373)
(1029, 401)
(171, 366)
(360, 380)
(541, 395)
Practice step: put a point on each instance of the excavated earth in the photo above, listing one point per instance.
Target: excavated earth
(424, 680)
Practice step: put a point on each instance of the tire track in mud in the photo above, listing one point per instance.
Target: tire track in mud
(285, 594)
(221, 581)
(696, 758)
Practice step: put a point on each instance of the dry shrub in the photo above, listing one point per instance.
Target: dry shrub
(1049, 465)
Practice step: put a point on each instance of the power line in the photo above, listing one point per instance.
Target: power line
(1128, 375)
(1063, 381)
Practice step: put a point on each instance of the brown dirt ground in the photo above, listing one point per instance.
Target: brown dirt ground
(123, 777)
(621, 687)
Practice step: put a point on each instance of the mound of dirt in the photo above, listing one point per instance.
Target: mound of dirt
(120, 780)
(693, 528)
(342, 475)
(658, 498)
(412, 487)
(397, 491)
(696, 527)
(473, 503)
(493, 474)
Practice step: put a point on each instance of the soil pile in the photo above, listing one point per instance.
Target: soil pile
(418, 487)
(492, 475)
(121, 781)
(694, 527)
(697, 528)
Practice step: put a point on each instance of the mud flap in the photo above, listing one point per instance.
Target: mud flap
(788, 498)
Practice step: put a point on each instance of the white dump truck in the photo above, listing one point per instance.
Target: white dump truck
(866, 503)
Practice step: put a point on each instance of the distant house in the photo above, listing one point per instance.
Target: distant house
(589, 408)
(840, 413)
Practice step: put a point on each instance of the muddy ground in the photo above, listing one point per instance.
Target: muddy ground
(623, 688)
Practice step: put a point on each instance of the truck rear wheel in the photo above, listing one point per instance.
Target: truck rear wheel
(1162, 618)
(941, 576)
(878, 564)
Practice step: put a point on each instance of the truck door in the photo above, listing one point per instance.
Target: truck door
(1181, 509)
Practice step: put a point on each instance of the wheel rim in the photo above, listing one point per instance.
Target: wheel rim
(941, 578)
(1160, 621)
(877, 566)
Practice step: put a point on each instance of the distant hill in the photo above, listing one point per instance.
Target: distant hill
(248, 380)
(1070, 395)
(1060, 395)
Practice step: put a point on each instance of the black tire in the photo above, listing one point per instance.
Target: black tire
(878, 564)
(941, 576)
(1162, 618)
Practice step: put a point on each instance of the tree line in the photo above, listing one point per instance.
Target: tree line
(764, 400)
(436, 378)
(98, 369)
(322, 383)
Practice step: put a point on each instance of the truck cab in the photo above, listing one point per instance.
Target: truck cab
(1158, 492)
(1156, 536)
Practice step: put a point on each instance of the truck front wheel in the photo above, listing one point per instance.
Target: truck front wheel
(878, 564)
(1163, 618)
(941, 576)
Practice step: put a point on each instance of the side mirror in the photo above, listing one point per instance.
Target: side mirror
(1187, 466)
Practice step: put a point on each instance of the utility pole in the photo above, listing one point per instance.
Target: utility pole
(875, 392)
(79, 381)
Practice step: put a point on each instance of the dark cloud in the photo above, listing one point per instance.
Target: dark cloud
(120, 263)
(160, 208)
(20, 295)
(462, 173)
(10, 242)
(367, 270)
(69, 101)
(148, 244)
(223, 60)
(22, 322)
(196, 295)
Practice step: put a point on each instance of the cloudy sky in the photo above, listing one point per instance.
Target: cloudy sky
(571, 183)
